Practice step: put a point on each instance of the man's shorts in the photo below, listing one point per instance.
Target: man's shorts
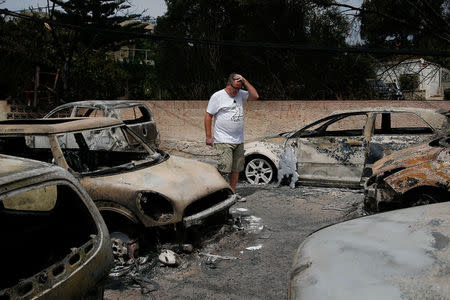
(231, 157)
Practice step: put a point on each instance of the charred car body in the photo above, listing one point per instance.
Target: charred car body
(339, 148)
(401, 254)
(56, 244)
(412, 176)
(135, 115)
(131, 183)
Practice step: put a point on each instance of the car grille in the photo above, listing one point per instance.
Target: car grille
(207, 202)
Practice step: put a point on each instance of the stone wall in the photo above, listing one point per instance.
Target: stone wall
(181, 122)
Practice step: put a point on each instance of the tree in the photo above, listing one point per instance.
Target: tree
(189, 70)
(74, 27)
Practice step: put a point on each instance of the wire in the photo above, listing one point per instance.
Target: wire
(229, 43)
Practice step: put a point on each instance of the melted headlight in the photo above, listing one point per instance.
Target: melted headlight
(155, 206)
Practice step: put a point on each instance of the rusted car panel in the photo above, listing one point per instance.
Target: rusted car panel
(56, 244)
(340, 148)
(412, 176)
(121, 173)
(403, 254)
(135, 115)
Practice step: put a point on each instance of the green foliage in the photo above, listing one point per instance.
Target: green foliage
(409, 82)
(188, 71)
(419, 24)
(23, 46)
(93, 77)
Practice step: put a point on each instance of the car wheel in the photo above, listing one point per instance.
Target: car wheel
(259, 170)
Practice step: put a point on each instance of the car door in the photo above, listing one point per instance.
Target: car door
(395, 131)
(335, 152)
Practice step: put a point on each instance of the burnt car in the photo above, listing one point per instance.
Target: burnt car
(132, 184)
(134, 114)
(401, 254)
(55, 242)
(409, 177)
(340, 148)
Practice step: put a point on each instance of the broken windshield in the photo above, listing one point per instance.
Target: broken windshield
(105, 150)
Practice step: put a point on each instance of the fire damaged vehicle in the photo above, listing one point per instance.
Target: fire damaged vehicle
(340, 148)
(135, 115)
(55, 242)
(409, 177)
(400, 254)
(133, 185)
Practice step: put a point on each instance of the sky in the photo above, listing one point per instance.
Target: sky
(154, 8)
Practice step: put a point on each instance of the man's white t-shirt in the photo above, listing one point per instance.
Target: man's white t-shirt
(228, 116)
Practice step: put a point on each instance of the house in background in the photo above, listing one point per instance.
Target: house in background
(417, 78)
(129, 52)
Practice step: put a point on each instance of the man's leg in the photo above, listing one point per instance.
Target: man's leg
(234, 176)
(238, 165)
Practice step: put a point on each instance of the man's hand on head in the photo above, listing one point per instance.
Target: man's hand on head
(240, 78)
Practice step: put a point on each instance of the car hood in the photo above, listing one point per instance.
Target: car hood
(395, 255)
(275, 139)
(406, 158)
(180, 179)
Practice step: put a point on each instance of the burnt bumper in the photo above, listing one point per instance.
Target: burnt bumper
(220, 207)
(377, 194)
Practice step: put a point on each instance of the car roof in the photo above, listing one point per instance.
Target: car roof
(54, 125)
(391, 109)
(437, 118)
(110, 104)
(13, 169)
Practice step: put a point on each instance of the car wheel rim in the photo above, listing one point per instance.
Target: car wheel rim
(258, 171)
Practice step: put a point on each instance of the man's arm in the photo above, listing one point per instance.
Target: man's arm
(252, 93)
(208, 125)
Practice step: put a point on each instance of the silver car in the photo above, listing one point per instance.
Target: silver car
(340, 148)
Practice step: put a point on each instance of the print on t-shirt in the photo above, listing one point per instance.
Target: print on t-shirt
(238, 114)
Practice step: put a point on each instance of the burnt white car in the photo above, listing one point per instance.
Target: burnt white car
(340, 148)
(401, 254)
(55, 242)
(135, 115)
(133, 185)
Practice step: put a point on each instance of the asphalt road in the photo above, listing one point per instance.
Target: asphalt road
(249, 255)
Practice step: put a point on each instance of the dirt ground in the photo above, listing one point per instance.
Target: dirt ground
(247, 256)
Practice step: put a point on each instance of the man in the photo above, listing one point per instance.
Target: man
(226, 107)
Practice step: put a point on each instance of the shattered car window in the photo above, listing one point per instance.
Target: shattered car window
(400, 123)
(349, 126)
(100, 149)
(89, 112)
(63, 113)
(131, 115)
(109, 149)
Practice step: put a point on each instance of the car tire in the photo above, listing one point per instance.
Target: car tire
(259, 170)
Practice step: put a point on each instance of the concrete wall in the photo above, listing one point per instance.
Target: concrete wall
(183, 120)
